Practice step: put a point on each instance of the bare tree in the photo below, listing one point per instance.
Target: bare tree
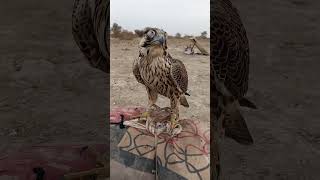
(138, 32)
(204, 34)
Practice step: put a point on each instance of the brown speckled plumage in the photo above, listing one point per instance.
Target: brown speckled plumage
(90, 29)
(159, 72)
(230, 65)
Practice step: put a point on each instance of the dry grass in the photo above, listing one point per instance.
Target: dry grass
(124, 35)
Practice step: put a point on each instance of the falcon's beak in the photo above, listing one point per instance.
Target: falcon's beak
(159, 40)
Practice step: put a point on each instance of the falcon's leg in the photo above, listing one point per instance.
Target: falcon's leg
(174, 101)
(152, 96)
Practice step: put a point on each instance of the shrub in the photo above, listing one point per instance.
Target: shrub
(138, 32)
(116, 29)
(204, 35)
(126, 35)
(187, 36)
(178, 35)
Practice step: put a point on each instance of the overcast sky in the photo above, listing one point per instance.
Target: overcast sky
(184, 16)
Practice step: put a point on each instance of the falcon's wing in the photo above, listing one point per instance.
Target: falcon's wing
(230, 65)
(179, 74)
(236, 127)
(230, 48)
(136, 71)
(90, 22)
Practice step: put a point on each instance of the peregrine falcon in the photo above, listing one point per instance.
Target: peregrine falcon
(160, 73)
(230, 65)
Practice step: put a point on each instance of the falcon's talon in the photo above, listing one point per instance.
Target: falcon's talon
(145, 114)
(173, 121)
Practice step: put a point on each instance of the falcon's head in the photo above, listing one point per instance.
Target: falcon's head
(154, 37)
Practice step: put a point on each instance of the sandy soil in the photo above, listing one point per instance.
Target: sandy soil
(284, 49)
(49, 94)
(126, 91)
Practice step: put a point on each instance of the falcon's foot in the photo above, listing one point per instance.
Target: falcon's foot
(151, 108)
(145, 114)
(175, 127)
(173, 121)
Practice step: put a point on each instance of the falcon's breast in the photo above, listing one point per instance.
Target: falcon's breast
(163, 74)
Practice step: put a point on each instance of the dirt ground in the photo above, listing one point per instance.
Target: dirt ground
(284, 49)
(126, 91)
(48, 92)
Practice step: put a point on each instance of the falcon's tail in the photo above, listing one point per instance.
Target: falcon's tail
(236, 128)
(183, 101)
(246, 103)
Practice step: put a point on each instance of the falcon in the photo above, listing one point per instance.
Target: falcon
(160, 73)
(230, 66)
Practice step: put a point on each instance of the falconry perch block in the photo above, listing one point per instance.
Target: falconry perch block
(196, 43)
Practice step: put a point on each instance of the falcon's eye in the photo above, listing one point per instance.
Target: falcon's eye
(151, 33)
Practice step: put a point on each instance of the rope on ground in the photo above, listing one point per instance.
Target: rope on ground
(156, 128)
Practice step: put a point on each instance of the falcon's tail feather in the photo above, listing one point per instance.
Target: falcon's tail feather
(236, 128)
(183, 101)
(246, 103)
